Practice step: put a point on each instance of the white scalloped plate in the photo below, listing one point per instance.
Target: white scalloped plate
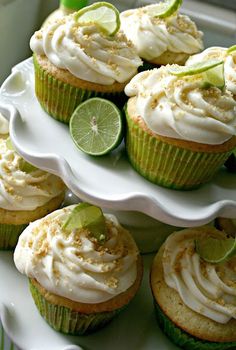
(107, 181)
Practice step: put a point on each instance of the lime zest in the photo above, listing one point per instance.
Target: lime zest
(231, 49)
(193, 69)
(87, 216)
(165, 8)
(102, 14)
(96, 126)
(216, 250)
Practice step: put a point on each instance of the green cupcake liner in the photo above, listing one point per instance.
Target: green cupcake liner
(183, 339)
(60, 99)
(9, 235)
(67, 321)
(168, 165)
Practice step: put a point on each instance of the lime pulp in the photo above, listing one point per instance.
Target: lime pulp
(102, 14)
(96, 126)
(214, 250)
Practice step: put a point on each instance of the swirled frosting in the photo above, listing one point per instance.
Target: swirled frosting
(85, 52)
(154, 36)
(75, 265)
(179, 107)
(229, 63)
(20, 190)
(206, 288)
(4, 125)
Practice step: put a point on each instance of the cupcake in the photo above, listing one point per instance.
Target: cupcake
(161, 41)
(179, 132)
(194, 300)
(228, 55)
(74, 62)
(83, 267)
(26, 194)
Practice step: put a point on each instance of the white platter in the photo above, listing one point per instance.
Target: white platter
(107, 181)
(134, 329)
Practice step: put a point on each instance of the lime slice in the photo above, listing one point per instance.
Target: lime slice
(9, 144)
(102, 14)
(215, 250)
(88, 217)
(96, 126)
(214, 77)
(231, 162)
(165, 8)
(196, 68)
(231, 49)
(23, 165)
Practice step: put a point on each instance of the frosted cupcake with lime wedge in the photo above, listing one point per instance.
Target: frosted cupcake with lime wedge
(193, 284)
(228, 55)
(84, 268)
(181, 124)
(81, 56)
(160, 34)
(26, 194)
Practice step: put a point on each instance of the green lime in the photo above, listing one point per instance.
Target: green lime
(166, 8)
(196, 68)
(214, 250)
(102, 14)
(89, 217)
(96, 126)
(214, 77)
(9, 144)
(231, 49)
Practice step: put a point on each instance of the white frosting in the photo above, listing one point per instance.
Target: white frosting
(73, 265)
(4, 125)
(24, 191)
(229, 64)
(85, 52)
(180, 108)
(208, 289)
(154, 36)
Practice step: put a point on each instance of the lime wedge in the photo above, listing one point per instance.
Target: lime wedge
(26, 167)
(231, 49)
(102, 14)
(96, 126)
(214, 77)
(88, 217)
(196, 68)
(215, 250)
(165, 8)
(231, 162)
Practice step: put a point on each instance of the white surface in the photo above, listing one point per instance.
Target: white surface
(134, 329)
(107, 181)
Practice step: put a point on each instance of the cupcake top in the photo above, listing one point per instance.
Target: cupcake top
(181, 107)
(153, 36)
(222, 53)
(208, 289)
(73, 263)
(4, 126)
(22, 186)
(86, 52)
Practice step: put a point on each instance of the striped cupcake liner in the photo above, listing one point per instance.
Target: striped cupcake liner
(168, 165)
(185, 340)
(60, 99)
(9, 235)
(68, 321)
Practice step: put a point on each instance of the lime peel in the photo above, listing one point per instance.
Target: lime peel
(231, 49)
(193, 69)
(166, 8)
(102, 14)
(89, 217)
(215, 250)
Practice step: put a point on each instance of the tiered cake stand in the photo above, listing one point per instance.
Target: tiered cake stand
(111, 183)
